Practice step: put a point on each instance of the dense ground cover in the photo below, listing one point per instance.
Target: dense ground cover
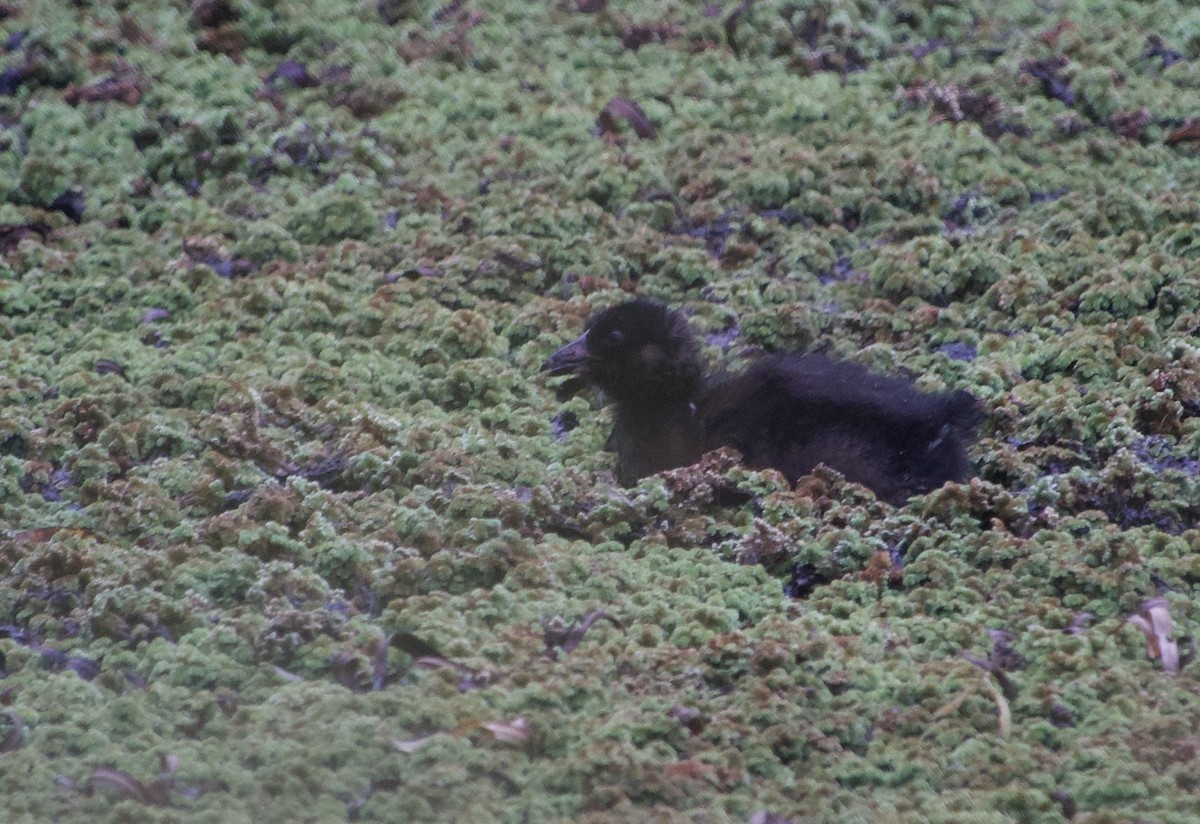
(294, 531)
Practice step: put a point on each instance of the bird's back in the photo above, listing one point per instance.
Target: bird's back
(792, 412)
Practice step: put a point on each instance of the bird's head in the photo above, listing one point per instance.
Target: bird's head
(639, 353)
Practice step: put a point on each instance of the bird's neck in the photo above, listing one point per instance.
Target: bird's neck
(665, 403)
(651, 440)
(662, 398)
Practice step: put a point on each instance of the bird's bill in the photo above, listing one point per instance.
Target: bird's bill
(572, 358)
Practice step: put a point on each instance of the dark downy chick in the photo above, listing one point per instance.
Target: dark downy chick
(787, 412)
(644, 358)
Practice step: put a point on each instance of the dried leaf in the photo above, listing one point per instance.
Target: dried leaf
(379, 666)
(1001, 706)
(1047, 71)
(1079, 623)
(290, 677)
(37, 536)
(1188, 131)
(621, 108)
(85, 668)
(295, 73)
(637, 35)
(881, 569)
(428, 657)
(324, 470)
(12, 234)
(1154, 620)
(249, 444)
(124, 783)
(1130, 124)
(157, 792)
(104, 366)
(71, 203)
(731, 24)
(12, 78)
(1157, 47)
(1061, 717)
(689, 717)
(124, 88)
(567, 638)
(1051, 35)
(413, 274)
(156, 313)
(472, 678)
(53, 659)
(990, 666)
(452, 44)
(765, 817)
(1003, 655)
(414, 646)
(355, 804)
(168, 765)
(135, 679)
(515, 263)
(515, 732)
(447, 12)
(1066, 804)
(212, 13)
(16, 736)
(194, 791)
(413, 744)
(954, 703)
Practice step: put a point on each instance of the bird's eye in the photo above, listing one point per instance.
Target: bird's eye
(616, 336)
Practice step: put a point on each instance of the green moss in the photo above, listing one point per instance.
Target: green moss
(338, 432)
(331, 216)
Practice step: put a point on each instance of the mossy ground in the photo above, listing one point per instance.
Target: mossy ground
(292, 530)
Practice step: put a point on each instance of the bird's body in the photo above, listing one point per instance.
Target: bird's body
(787, 412)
